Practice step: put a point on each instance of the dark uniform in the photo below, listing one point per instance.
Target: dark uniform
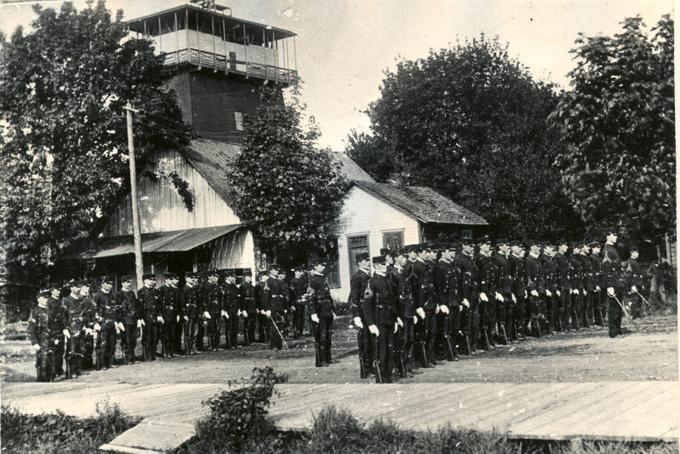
(170, 306)
(358, 284)
(634, 278)
(551, 284)
(130, 312)
(106, 311)
(599, 292)
(487, 309)
(297, 291)
(425, 330)
(403, 279)
(249, 307)
(503, 286)
(519, 282)
(468, 290)
(442, 275)
(149, 302)
(273, 301)
(613, 278)
(191, 311)
(80, 314)
(58, 316)
(564, 287)
(322, 305)
(39, 333)
(535, 288)
(576, 290)
(586, 315)
(213, 300)
(231, 304)
(380, 309)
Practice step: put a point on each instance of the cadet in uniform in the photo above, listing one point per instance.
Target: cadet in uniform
(130, 312)
(634, 278)
(576, 286)
(442, 279)
(212, 309)
(106, 313)
(248, 308)
(468, 294)
(191, 310)
(503, 287)
(426, 327)
(519, 292)
(598, 293)
(551, 284)
(487, 306)
(322, 313)
(534, 286)
(588, 285)
(611, 271)
(170, 303)
(274, 308)
(358, 285)
(231, 303)
(57, 325)
(41, 339)
(563, 284)
(297, 291)
(79, 314)
(88, 340)
(149, 304)
(403, 279)
(380, 312)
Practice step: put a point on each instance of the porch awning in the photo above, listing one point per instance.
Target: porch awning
(173, 241)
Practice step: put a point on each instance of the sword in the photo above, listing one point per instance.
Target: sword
(279, 332)
(625, 312)
(643, 298)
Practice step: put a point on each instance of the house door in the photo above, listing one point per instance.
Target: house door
(356, 246)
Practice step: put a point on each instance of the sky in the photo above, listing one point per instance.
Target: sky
(344, 46)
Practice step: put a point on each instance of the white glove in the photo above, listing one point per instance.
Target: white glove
(444, 309)
(334, 316)
(610, 291)
(466, 303)
(633, 289)
(421, 312)
(245, 314)
(66, 334)
(415, 320)
(121, 326)
(315, 318)
(460, 308)
(483, 297)
(585, 292)
(186, 319)
(139, 323)
(400, 322)
(115, 325)
(97, 327)
(35, 347)
(292, 308)
(224, 314)
(597, 288)
(575, 291)
(499, 297)
(558, 293)
(534, 293)
(206, 314)
(160, 319)
(526, 295)
(178, 318)
(514, 299)
(56, 341)
(268, 313)
(357, 322)
(88, 331)
(238, 313)
(374, 330)
(437, 309)
(548, 293)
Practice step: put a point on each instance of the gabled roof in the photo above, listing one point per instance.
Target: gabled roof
(351, 169)
(425, 204)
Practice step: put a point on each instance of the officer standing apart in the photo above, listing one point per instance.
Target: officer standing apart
(611, 270)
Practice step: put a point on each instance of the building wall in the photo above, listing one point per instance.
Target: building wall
(162, 208)
(365, 214)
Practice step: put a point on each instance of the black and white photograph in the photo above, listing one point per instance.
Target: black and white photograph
(338, 226)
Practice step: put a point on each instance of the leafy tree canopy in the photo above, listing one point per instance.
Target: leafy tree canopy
(289, 192)
(618, 120)
(65, 160)
(470, 122)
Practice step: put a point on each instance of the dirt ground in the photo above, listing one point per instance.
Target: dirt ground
(648, 352)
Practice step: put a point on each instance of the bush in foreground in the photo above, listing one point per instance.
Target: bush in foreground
(60, 433)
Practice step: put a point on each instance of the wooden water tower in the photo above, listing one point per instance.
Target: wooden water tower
(223, 61)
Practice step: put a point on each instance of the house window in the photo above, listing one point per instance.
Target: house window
(238, 120)
(393, 240)
(356, 245)
(332, 263)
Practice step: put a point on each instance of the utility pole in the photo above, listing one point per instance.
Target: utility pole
(136, 229)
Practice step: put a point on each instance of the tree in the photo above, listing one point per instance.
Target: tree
(618, 120)
(65, 162)
(470, 121)
(288, 192)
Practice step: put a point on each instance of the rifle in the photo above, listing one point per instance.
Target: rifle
(504, 334)
(317, 351)
(67, 348)
(376, 361)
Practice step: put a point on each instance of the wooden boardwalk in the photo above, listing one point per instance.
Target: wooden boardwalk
(631, 411)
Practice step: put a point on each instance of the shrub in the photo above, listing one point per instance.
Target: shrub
(237, 415)
(57, 432)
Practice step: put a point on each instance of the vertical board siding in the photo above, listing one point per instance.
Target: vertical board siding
(365, 214)
(162, 208)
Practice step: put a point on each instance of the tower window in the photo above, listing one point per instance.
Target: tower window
(238, 120)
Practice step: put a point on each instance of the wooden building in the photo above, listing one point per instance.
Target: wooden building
(224, 60)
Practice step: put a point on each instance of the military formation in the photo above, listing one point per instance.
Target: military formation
(429, 302)
(77, 325)
(411, 307)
